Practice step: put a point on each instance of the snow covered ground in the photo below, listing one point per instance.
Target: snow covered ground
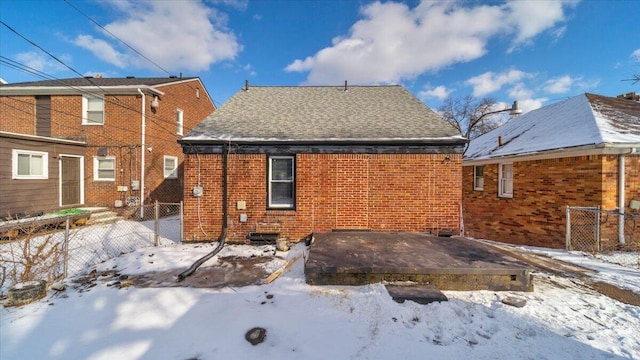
(563, 318)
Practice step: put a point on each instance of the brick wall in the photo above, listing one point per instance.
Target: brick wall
(18, 114)
(541, 191)
(404, 192)
(121, 135)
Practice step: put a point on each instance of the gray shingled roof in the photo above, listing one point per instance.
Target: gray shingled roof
(324, 113)
(93, 81)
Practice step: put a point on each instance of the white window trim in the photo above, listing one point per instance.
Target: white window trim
(95, 168)
(180, 122)
(501, 191)
(292, 181)
(85, 109)
(14, 165)
(475, 178)
(174, 172)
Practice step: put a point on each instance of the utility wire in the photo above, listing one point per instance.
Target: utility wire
(116, 37)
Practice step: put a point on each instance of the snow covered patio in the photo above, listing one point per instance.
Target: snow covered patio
(107, 318)
(449, 263)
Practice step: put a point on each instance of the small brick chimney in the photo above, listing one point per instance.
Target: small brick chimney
(630, 96)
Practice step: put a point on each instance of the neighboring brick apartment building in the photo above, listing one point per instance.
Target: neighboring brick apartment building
(300, 160)
(83, 141)
(519, 178)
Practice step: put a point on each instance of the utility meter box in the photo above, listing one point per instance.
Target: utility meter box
(198, 191)
(135, 185)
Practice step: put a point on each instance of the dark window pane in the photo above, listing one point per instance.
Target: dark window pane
(281, 169)
(282, 194)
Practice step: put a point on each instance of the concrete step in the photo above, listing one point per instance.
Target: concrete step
(103, 216)
(420, 293)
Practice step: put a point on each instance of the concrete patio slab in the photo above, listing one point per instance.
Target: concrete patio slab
(449, 263)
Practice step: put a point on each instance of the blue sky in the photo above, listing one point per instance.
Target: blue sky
(536, 52)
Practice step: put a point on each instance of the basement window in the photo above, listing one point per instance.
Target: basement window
(281, 182)
(505, 176)
(478, 177)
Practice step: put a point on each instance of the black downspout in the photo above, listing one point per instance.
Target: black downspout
(223, 235)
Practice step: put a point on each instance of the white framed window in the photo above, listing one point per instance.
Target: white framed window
(104, 168)
(27, 164)
(180, 122)
(505, 184)
(281, 182)
(478, 177)
(170, 167)
(92, 110)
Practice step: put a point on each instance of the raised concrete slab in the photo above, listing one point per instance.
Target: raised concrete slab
(422, 294)
(449, 263)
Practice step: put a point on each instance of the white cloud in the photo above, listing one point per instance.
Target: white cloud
(429, 37)
(438, 92)
(41, 63)
(559, 85)
(636, 55)
(531, 104)
(489, 82)
(183, 35)
(102, 50)
(519, 91)
(530, 18)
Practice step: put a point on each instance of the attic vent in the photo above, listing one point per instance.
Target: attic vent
(246, 85)
(131, 77)
(173, 77)
(346, 88)
(88, 77)
(102, 151)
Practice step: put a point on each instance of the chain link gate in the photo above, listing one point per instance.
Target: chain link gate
(597, 232)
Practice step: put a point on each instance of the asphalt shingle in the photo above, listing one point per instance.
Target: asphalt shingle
(324, 113)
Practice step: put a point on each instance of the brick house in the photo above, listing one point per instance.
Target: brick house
(519, 178)
(115, 138)
(299, 160)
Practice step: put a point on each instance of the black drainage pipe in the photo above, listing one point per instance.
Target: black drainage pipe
(223, 235)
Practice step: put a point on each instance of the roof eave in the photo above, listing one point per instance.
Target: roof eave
(395, 141)
(591, 149)
(75, 90)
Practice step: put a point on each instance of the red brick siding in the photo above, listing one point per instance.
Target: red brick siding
(378, 192)
(541, 191)
(18, 114)
(121, 134)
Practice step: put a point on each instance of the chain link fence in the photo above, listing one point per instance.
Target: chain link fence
(598, 232)
(57, 245)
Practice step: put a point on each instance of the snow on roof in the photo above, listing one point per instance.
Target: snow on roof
(584, 120)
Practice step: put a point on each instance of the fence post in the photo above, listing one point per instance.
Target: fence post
(156, 224)
(181, 220)
(598, 228)
(65, 247)
(568, 230)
